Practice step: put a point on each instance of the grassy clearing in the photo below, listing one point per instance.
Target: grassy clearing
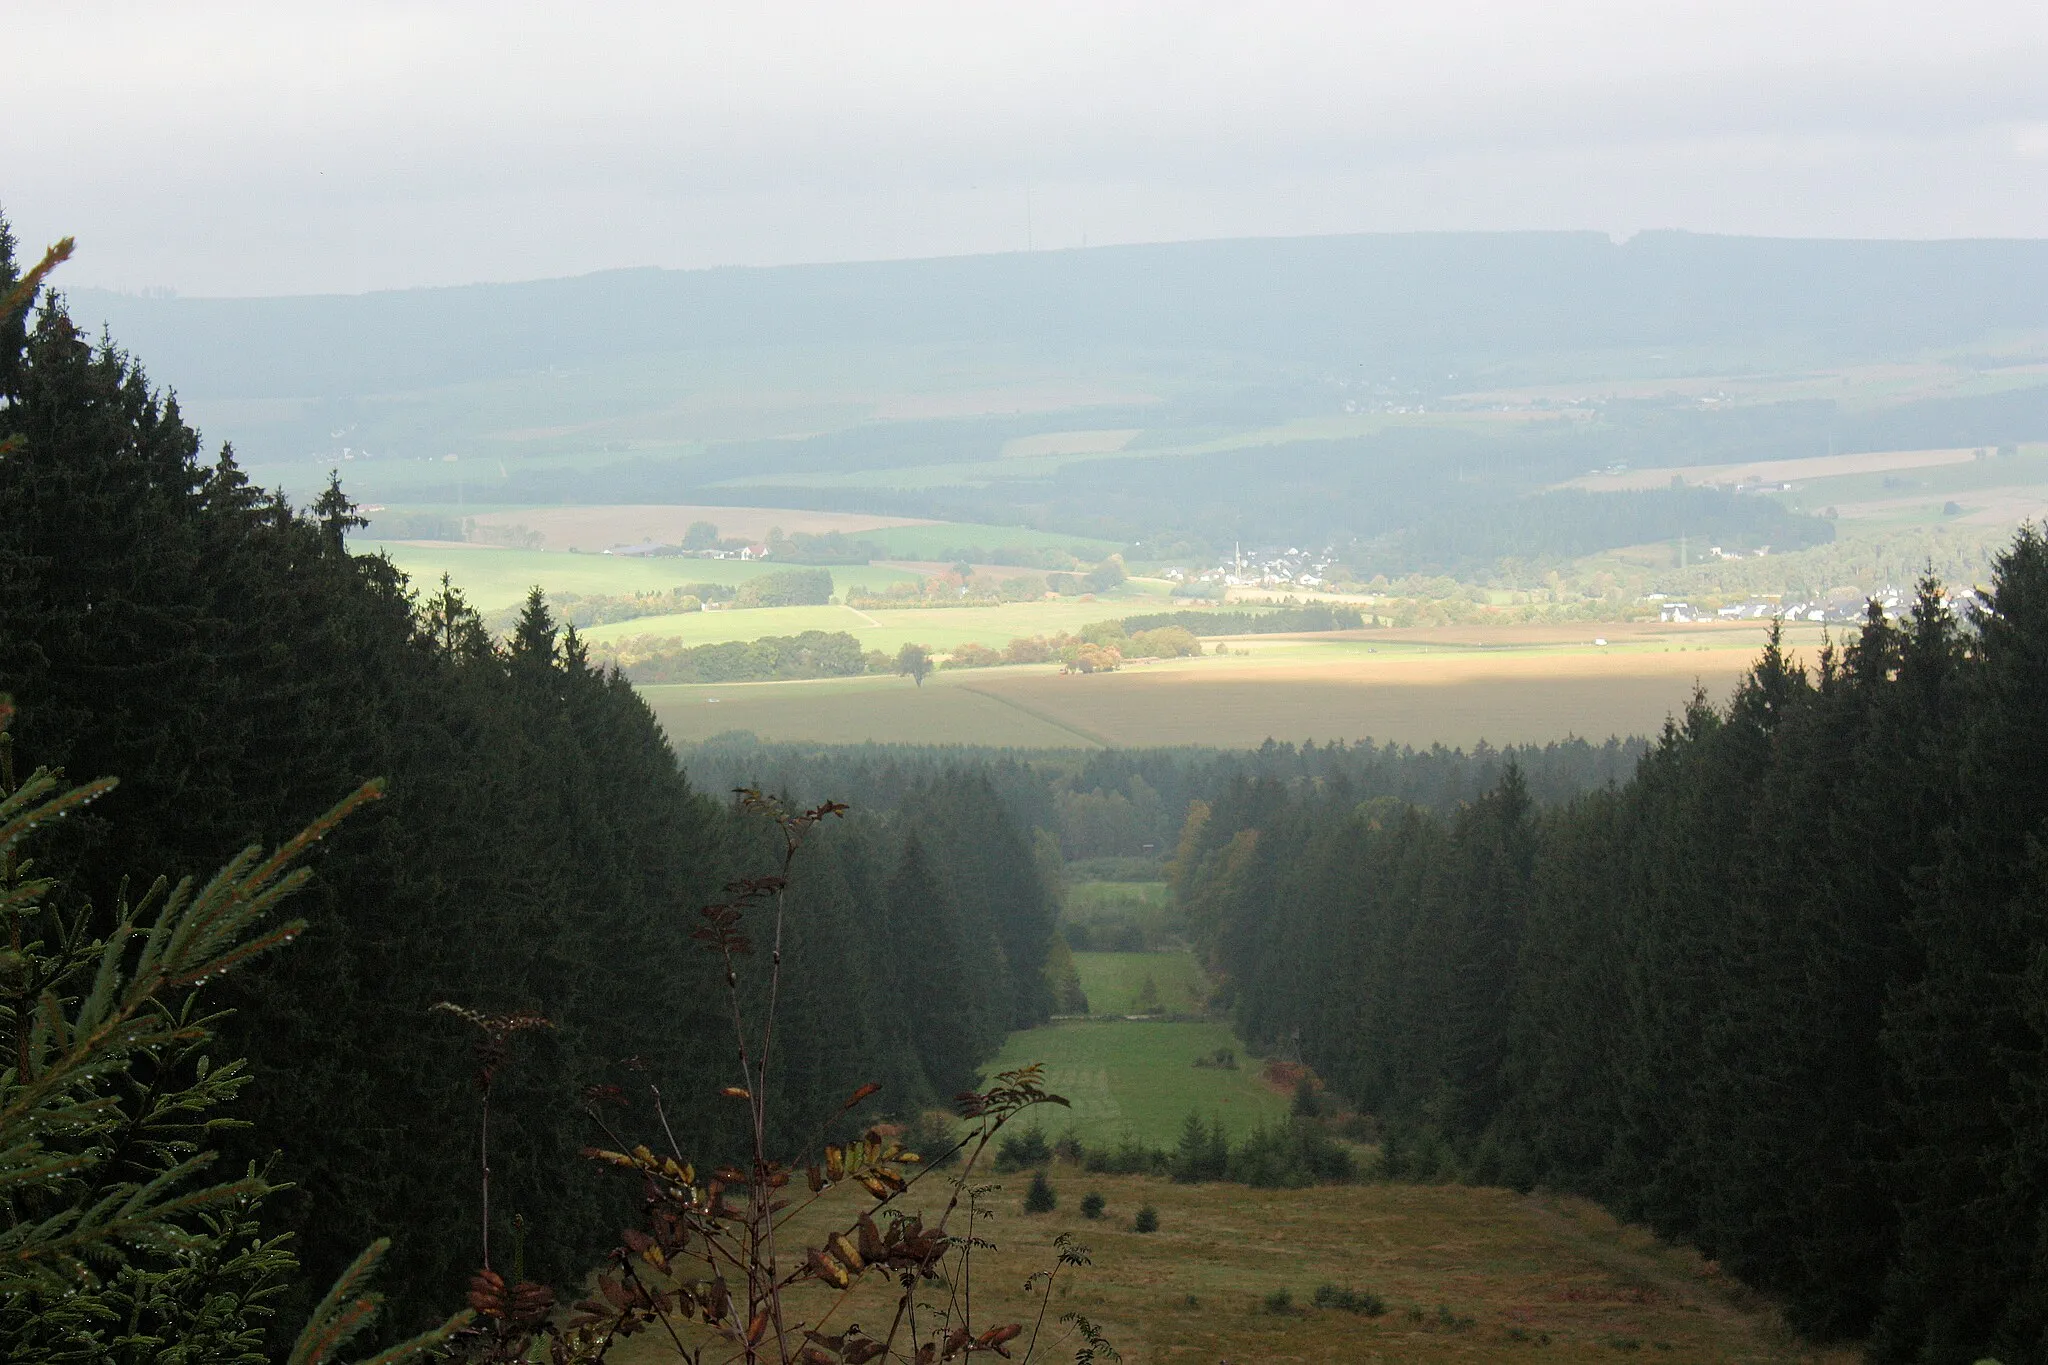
(1467, 1275)
(1141, 1079)
(1121, 917)
(1099, 896)
(1115, 982)
(494, 578)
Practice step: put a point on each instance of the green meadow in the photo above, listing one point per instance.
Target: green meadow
(1116, 983)
(941, 628)
(939, 539)
(494, 578)
(1139, 1079)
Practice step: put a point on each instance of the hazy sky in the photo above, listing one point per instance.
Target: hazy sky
(220, 149)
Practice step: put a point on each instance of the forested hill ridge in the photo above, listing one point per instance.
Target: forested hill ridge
(166, 623)
(1435, 298)
(1421, 403)
(1783, 995)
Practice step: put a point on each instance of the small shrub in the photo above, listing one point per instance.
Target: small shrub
(1291, 1156)
(1146, 1221)
(1626, 1343)
(1128, 1157)
(1023, 1151)
(1040, 1197)
(1451, 1322)
(1360, 1301)
(1069, 1147)
(1091, 1205)
(936, 1135)
(1280, 1301)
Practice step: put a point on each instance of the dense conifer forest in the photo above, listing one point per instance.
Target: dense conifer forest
(1784, 994)
(225, 656)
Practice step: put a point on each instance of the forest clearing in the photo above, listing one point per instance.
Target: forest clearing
(1367, 1271)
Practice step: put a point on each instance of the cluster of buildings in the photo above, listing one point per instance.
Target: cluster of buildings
(1836, 608)
(1273, 567)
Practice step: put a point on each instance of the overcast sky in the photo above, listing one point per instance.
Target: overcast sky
(277, 148)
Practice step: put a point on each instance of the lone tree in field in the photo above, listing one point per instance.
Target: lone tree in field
(1040, 1198)
(915, 662)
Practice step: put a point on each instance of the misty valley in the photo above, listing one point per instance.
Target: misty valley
(1431, 796)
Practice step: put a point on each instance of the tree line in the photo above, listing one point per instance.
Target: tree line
(222, 653)
(1134, 803)
(1783, 994)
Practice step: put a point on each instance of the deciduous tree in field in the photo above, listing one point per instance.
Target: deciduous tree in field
(914, 662)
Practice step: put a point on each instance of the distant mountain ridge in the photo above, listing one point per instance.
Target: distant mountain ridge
(1406, 300)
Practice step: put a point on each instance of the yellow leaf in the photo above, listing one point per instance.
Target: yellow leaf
(842, 1246)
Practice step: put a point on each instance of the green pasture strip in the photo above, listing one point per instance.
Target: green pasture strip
(940, 628)
(493, 578)
(1114, 982)
(1140, 1079)
(880, 710)
(930, 542)
(730, 624)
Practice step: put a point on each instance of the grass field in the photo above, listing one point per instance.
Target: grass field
(494, 578)
(1517, 1279)
(604, 527)
(1099, 896)
(854, 710)
(1139, 1078)
(879, 627)
(1810, 467)
(601, 528)
(1467, 1275)
(1115, 982)
(1450, 689)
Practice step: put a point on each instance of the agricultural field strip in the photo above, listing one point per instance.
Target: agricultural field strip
(494, 578)
(1040, 714)
(601, 527)
(1773, 471)
(1449, 703)
(947, 628)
